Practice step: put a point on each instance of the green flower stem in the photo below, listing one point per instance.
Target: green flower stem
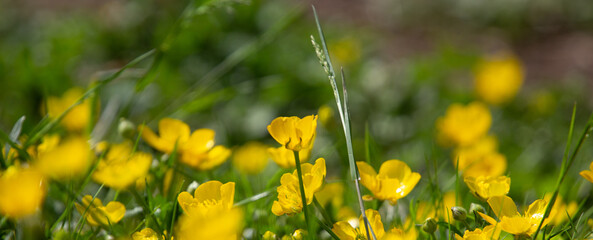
(321, 210)
(297, 162)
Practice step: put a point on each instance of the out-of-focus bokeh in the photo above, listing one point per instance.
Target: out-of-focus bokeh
(236, 65)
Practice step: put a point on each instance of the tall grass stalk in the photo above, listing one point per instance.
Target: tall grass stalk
(325, 60)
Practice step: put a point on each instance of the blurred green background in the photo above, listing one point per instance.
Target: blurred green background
(236, 65)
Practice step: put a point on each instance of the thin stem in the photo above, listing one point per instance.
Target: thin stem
(297, 162)
(321, 210)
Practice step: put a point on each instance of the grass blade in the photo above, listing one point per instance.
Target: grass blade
(324, 57)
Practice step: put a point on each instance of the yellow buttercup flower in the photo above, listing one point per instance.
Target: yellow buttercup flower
(289, 195)
(394, 181)
(22, 191)
(485, 187)
(588, 174)
(121, 168)
(467, 155)
(331, 193)
(145, 234)
(407, 232)
(345, 231)
(347, 50)
(211, 196)
(326, 116)
(269, 236)
(437, 210)
(226, 225)
(494, 164)
(562, 209)
(463, 125)
(78, 117)
(513, 222)
(488, 233)
(67, 159)
(293, 132)
(251, 158)
(498, 78)
(97, 214)
(285, 157)
(196, 150)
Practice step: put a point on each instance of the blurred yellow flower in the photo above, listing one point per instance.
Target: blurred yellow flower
(494, 164)
(78, 117)
(289, 195)
(562, 209)
(22, 191)
(345, 231)
(394, 181)
(346, 50)
(251, 158)
(407, 232)
(293, 132)
(269, 236)
(121, 168)
(463, 125)
(220, 224)
(196, 150)
(285, 157)
(96, 214)
(443, 207)
(145, 234)
(65, 159)
(485, 187)
(331, 193)
(498, 78)
(211, 196)
(588, 174)
(467, 155)
(511, 221)
(489, 232)
(326, 116)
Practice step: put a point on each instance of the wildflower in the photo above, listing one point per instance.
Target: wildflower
(285, 157)
(465, 156)
(513, 222)
(488, 233)
(326, 116)
(562, 209)
(491, 165)
(499, 78)
(251, 158)
(485, 187)
(293, 132)
(208, 197)
(463, 125)
(588, 174)
(121, 168)
(438, 210)
(78, 117)
(345, 231)
(219, 224)
(97, 214)
(289, 195)
(408, 232)
(145, 234)
(394, 181)
(22, 191)
(196, 150)
(347, 50)
(331, 193)
(269, 236)
(63, 159)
